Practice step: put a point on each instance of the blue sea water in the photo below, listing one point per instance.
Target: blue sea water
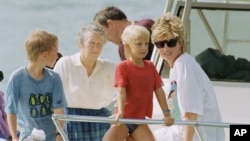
(19, 18)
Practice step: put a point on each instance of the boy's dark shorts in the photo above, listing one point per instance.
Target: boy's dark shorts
(131, 128)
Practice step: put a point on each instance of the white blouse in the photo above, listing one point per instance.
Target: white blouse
(81, 91)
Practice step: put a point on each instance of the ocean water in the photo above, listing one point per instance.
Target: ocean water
(19, 18)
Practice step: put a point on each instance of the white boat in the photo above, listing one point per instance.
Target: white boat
(221, 25)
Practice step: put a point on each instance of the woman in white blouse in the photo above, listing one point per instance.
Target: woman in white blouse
(88, 84)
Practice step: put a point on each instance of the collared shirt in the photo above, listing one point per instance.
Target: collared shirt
(83, 91)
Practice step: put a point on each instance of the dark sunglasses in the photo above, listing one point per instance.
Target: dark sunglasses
(171, 43)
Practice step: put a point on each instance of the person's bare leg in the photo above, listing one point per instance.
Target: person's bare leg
(143, 133)
(129, 138)
(117, 132)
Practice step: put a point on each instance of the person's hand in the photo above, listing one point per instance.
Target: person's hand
(112, 116)
(168, 120)
(59, 138)
(118, 116)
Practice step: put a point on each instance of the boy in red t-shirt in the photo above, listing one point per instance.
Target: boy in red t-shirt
(136, 80)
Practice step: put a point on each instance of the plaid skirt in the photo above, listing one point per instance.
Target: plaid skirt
(86, 131)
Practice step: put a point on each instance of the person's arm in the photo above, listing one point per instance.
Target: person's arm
(121, 102)
(11, 119)
(61, 122)
(161, 98)
(189, 130)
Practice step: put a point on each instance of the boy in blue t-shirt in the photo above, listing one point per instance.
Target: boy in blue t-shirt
(35, 92)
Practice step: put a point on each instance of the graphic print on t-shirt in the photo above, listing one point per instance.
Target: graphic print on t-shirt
(172, 94)
(173, 102)
(40, 105)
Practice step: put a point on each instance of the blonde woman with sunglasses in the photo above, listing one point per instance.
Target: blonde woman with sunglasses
(191, 90)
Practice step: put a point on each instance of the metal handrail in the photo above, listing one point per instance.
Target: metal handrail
(57, 117)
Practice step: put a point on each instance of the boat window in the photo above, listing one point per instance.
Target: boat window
(219, 39)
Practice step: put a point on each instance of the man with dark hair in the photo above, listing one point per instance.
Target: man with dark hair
(114, 21)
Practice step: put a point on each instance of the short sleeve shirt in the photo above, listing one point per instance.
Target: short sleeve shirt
(33, 101)
(140, 84)
(195, 94)
(82, 91)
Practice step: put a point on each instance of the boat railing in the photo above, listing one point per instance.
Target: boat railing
(77, 118)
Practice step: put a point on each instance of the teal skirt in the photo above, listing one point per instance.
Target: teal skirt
(86, 131)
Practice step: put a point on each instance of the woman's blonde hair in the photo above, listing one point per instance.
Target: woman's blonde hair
(131, 34)
(169, 27)
(38, 42)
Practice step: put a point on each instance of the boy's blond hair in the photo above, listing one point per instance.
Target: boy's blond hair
(38, 42)
(131, 34)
